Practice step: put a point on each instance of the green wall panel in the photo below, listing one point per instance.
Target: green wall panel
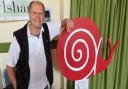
(4, 47)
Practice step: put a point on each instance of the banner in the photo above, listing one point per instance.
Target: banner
(13, 9)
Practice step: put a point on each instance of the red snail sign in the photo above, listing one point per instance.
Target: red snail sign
(79, 51)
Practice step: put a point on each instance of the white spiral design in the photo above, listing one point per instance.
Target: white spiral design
(80, 51)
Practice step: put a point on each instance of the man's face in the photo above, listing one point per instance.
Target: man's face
(36, 15)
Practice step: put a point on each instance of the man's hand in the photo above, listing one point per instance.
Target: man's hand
(11, 74)
(67, 24)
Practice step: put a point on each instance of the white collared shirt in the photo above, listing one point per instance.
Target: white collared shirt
(37, 59)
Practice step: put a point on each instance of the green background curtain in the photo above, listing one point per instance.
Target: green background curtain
(111, 17)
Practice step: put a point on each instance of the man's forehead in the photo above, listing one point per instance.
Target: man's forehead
(37, 4)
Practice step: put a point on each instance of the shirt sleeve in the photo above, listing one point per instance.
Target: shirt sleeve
(13, 54)
(54, 29)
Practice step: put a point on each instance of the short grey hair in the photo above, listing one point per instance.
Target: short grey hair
(30, 5)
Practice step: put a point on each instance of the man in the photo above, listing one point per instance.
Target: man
(29, 63)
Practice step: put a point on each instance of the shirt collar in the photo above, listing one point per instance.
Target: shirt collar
(28, 31)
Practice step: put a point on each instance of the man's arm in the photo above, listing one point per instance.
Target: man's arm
(56, 28)
(11, 74)
(13, 56)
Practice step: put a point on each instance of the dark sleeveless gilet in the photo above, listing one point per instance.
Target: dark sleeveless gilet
(22, 67)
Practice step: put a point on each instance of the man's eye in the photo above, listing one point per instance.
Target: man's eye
(39, 13)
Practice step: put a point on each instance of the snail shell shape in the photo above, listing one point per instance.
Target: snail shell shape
(78, 52)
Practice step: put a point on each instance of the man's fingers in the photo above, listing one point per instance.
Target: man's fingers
(69, 25)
